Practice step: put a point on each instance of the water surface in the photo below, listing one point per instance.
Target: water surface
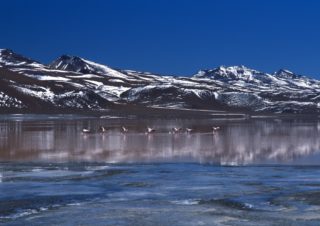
(250, 172)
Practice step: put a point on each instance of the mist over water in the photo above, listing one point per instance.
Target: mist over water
(250, 172)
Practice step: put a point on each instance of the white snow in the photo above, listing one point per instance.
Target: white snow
(44, 94)
(52, 70)
(148, 87)
(300, 83)
(51, 78)
(104, 69)
(77, 85)
(197, 92)
(116, 80)
(277, 80)
(114, 90)
(7, 63)
(295, 103)
(46, 77)
(108, 89)
(236, 86)
(37, 65)
(94, 82)
(84, 76)
(7, 101)
(184, 82)
(239, 99)
(287, 71)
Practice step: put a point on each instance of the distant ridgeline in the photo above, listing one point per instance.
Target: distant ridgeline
(73, 83)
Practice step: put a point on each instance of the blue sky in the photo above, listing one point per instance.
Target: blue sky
(168, 36)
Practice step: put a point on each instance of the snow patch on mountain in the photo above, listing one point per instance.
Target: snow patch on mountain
(10, 102)
(115, 90)
(283, 73)
(37, 91)
(96, 83)
(116, 80)
(47, 77)
(75, 82)
(135, 93)
(227, 73)
(241, 100)
(84, 76)
(104, 69)
(77, 99)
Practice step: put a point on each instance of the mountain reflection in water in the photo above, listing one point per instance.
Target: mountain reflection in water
(255, 141)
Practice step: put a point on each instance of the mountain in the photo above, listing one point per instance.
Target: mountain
(76, 84)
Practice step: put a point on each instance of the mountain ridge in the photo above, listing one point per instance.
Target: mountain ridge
(72, 82)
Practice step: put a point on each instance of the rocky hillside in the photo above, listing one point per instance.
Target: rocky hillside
(73, 83)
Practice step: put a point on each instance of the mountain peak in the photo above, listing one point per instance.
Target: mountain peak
(70, 63)
(69, 57)
(77, 64)
(96, 86)
(283, 73)
(234, 67)
(6, 52)
(228, 73)
(8, 57)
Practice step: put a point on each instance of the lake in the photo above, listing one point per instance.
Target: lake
(257, 171)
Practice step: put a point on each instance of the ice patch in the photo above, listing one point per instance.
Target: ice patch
(94, 168)
(74, 204)
(187, 202)
(229, 163)
(37, 170)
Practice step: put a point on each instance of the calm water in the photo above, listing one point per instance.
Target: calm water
(250, 172)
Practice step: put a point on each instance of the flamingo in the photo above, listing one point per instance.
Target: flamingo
(215, 128)
(102, 129)
(176, 130)
(150, 130)
(84, 130)
(124, 129)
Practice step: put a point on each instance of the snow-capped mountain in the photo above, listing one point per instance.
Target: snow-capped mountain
(74, 83)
